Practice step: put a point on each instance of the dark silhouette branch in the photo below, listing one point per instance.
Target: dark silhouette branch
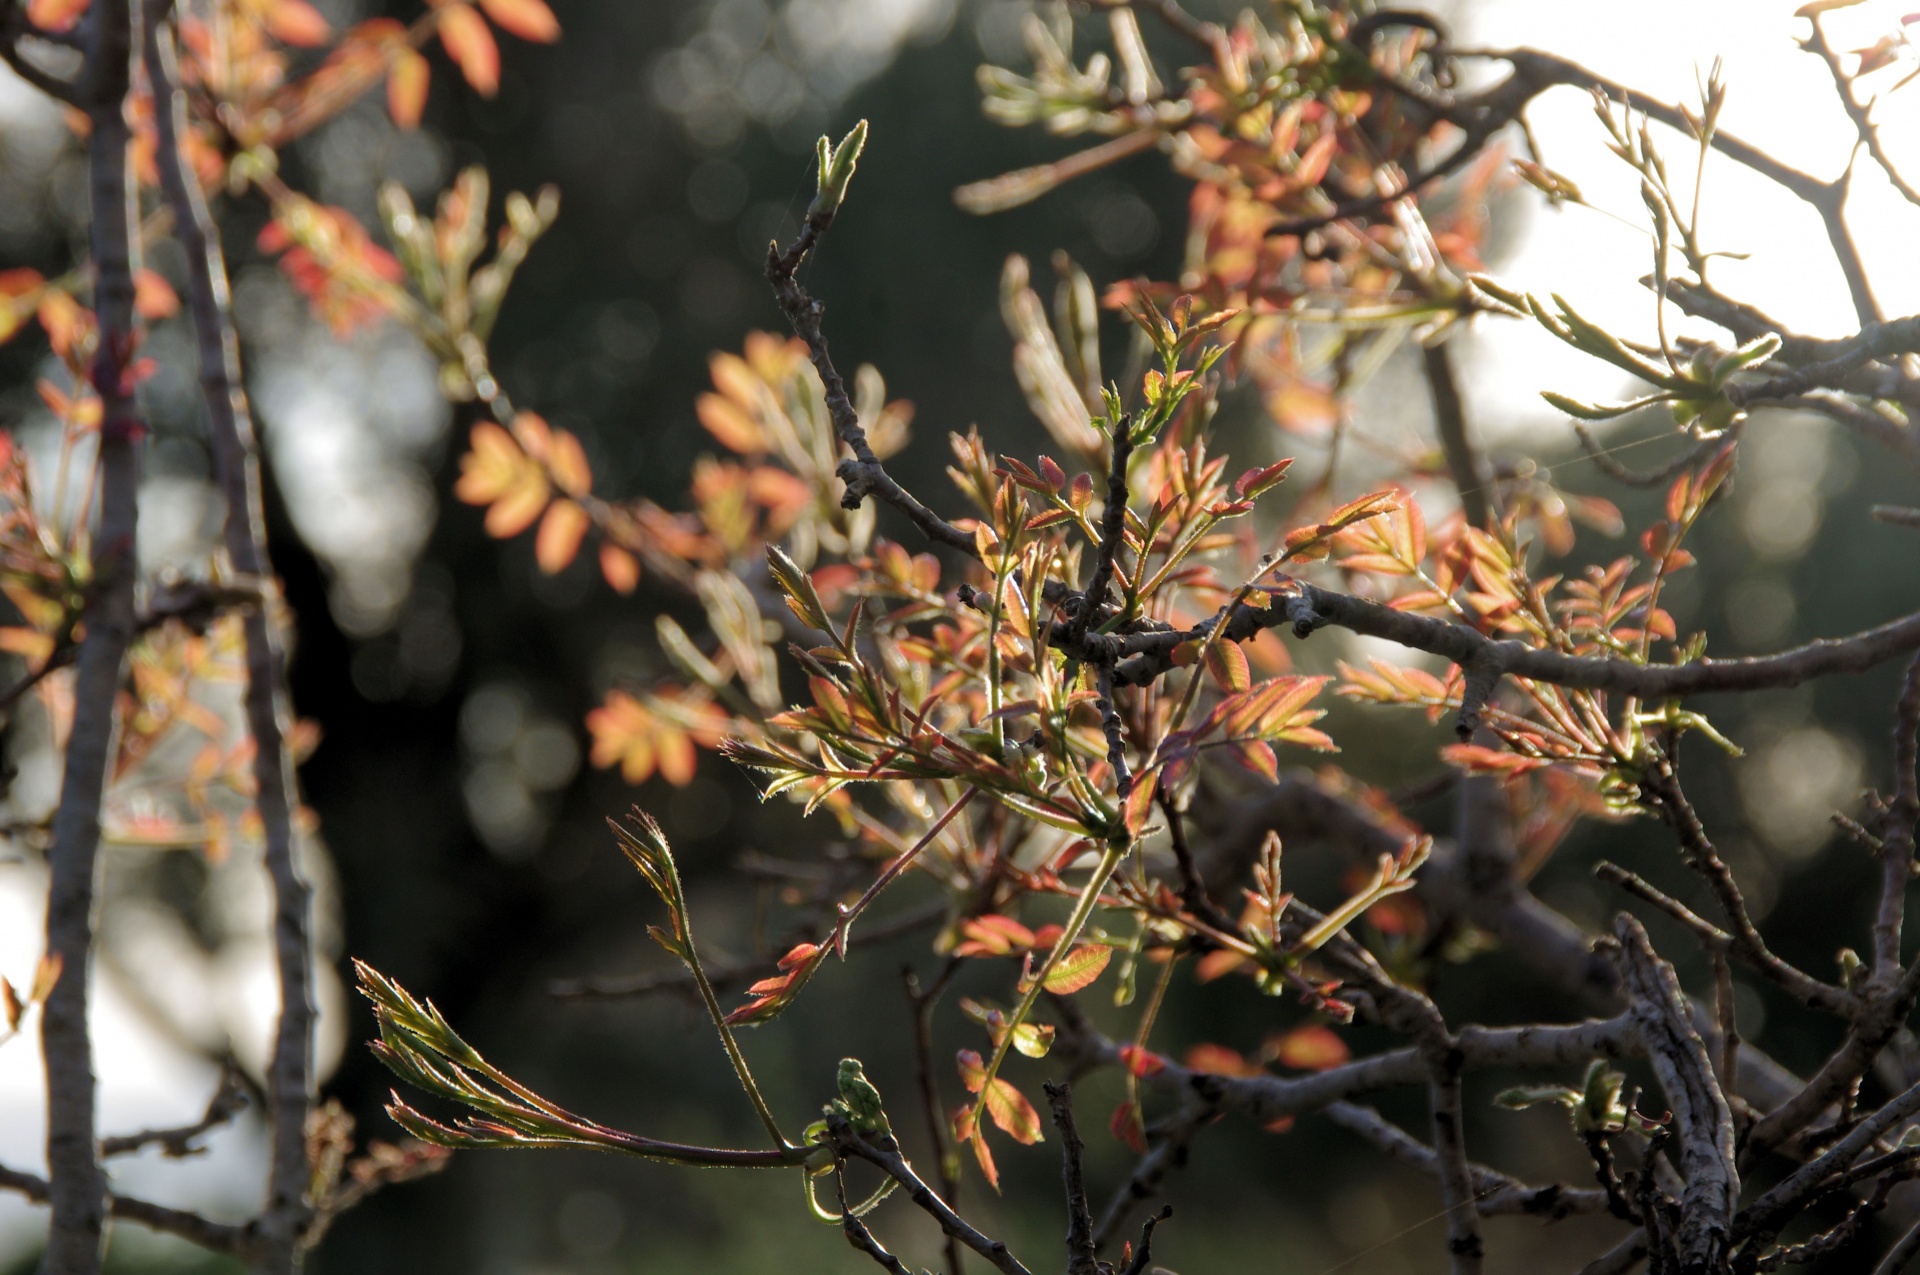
(1494, 1192)
(887, 1158)
(1470, 476)
(1680, 1061)
(268, 708)
(1080, 1244)
(77, 1186)
(228, 1101)
(215, 1237)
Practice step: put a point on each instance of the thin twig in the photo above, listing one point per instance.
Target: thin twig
(1080, 1247)
(863, 474)
(856, 1231)
(888, 1159)
(1680, 1061)
(679, 978)
(1113, 525)
(1861, 115)
(228, 1101)
(215, 1237)
(944, 1156)
(1470, 476)
(1493, 1192)
(1662, 788)
(269, 710)
(1176, 1139)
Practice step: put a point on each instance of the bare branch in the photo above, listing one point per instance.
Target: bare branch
(269, 711)
(1679, 1059)
(863, 474)
(1493, 1192)
(78, 1187)
(228, 1101)
(1773, 1208)
(215, 1237)
(1176, 1139)
(1663, 790)
(1861, 115)
(1080, 1245)
(1470, 476)
(856, 1231)
(923, 1005)
(888, 1159)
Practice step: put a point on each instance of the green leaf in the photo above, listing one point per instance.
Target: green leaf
(1078, 969)
(1598, 411)
(836, 169)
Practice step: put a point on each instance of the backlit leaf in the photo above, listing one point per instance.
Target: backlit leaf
(1078, 968)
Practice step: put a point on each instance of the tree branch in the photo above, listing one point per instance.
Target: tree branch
(269, 712)
(215, 1237)
(923, 1004)
(863, 474)
(1080, 1247)
(1470, 477)
(1679, 1057)
(888, 1159)
(78, 1188)
(1493, 1192)
(16, 26)
(228, 1101)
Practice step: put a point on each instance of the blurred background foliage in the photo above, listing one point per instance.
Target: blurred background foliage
(450, 677)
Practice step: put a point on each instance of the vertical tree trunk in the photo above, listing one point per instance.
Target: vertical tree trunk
(78, 1185)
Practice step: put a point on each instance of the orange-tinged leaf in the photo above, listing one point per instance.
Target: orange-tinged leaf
(1012, 1112)
(11, 1003)
(55, 15)
(985, 1157)
(1078, 969)
(153, 296)
(560, 534)
(1218, 1060)
(621, 568)
(528, 19)
(1228, 664)
(407, 82)
(731, 424)
(297, 23)
(1312, 1047)
(518, 506)
(492, 464)
(1217, 965)
(30, 645)
(1141, 1062)
(973, 1070)
(472, 48)
(45, 975)
(567, 463)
